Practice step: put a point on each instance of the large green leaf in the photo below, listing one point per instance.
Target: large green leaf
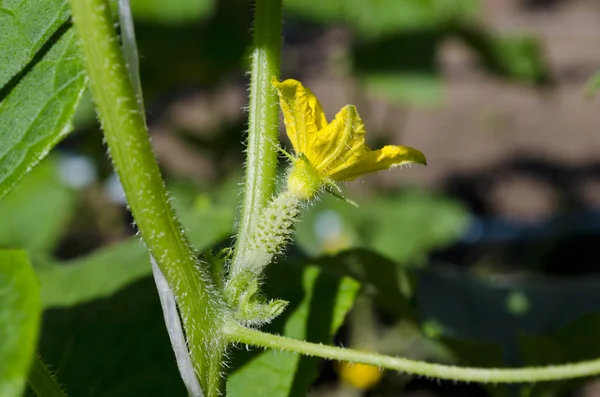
(98, 275)
(110, 269)
(407, 227)
(25, 26)
(318, 305)
(37, 111)
(115, 347)
(20, 310)
(34, 214)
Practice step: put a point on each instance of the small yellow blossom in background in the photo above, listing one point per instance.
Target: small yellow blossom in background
(330, 152)
(361, 376)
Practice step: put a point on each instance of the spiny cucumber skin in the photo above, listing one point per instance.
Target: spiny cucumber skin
(242, 291)
(274, 231)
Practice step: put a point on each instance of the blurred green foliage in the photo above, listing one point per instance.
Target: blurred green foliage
(384, 17)
(20, 311)
(402, 226)
(171, 12)
(593, 85)
(35, 213)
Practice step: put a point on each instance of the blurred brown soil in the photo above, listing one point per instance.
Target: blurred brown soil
(482, 123)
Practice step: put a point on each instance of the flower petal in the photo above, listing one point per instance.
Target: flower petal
(302, 113)
(340, 144)
(317, 109)
(378, 160)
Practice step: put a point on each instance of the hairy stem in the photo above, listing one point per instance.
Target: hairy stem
(42, 382)
(239, 334)
(261, 160)
(165, 294)
(202, 309)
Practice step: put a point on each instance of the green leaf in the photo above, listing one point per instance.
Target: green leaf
(35, 115)
(403, 227)
(25, 26)
(406, 227)
(404, 88)
(20, 310)
(318, 305)
(34, 214)
(115, 347)
(110, 269)
(98, 275)
(391, 285)
(172, 11)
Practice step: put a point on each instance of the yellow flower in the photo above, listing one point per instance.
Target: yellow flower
(330, 152)
(361, 376)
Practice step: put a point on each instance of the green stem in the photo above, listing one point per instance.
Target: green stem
(261, 160)
(238, 334)
(202, 308)
(42, 382)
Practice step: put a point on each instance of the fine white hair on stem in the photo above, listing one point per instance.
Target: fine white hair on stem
(167, 299)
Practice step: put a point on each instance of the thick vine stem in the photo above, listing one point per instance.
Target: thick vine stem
(202, 308)
(261, 159)
(238, 334)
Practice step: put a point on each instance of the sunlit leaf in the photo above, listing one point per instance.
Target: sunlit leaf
(37, 111)
(408, 226)
(20, 310)
(25, 26)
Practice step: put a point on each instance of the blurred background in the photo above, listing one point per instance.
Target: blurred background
(494, 244)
